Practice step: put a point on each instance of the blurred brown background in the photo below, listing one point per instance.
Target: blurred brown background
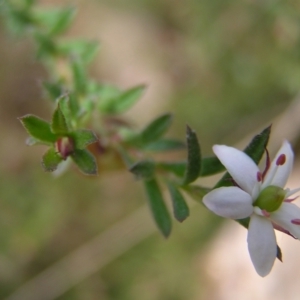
(228, 69)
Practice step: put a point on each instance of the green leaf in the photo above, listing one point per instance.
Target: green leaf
(59, 124)
(113, 101)
(64, 105)
(105, 94)
(143, 169)
(211, 166)
(194, 157)
(87, 107)
(279, 253)
(51, 160)
(257, 146)
(79, 76)
(74, 106)
(46, 46)
(152, 132)
(255, 150)
(165, 145)
(180, 208)
(55, 20)
(83, 137)
(156, 129)
(53, 89)
(244, 222)
(84, 50)
(127, 99)
(63, 20)
(17, 19)
(85, 161)
(38, 129)
(177, 168)
(158, 207)
(126, 133)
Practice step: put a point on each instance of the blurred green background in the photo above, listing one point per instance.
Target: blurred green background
(227, 68)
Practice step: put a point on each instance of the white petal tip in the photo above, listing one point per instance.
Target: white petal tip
(263, 273)
(262, 244)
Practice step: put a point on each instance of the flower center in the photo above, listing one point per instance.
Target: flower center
(270, 198)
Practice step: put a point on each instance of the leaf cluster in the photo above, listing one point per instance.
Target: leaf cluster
(178, 176)
(81, 103)
(64, 142)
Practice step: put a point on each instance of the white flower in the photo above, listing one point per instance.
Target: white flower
(260, 196)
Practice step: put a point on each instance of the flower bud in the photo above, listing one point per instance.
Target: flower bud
(64, 146)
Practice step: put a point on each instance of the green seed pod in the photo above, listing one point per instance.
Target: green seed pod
(271, 198)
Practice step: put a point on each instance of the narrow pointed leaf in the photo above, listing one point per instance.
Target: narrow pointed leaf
(143, 169)
(53, 89)
(127, 99)
(244, 222)
(46, 46)
(51, 160)
(194, 157)
(64, 105)
(17, 19)
(177, 168)
(151, 133)
(158, 207)
(210, 166)
(256, 148)
(113, 101)
(74, 106)
(85, 161)
(85, 50)
(279, 253)
(38, 129)
(106, 95)
(180, 208)
(59, 123)
(164, 145)
(83, 137)
(63, 20)
(79, 76)
(55, 21)
(156, 129)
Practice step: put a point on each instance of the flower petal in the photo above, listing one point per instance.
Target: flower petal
(229, 202)
(278, 174)
(284, 215)
(261, 244)
(240, 166)
(291, 192)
